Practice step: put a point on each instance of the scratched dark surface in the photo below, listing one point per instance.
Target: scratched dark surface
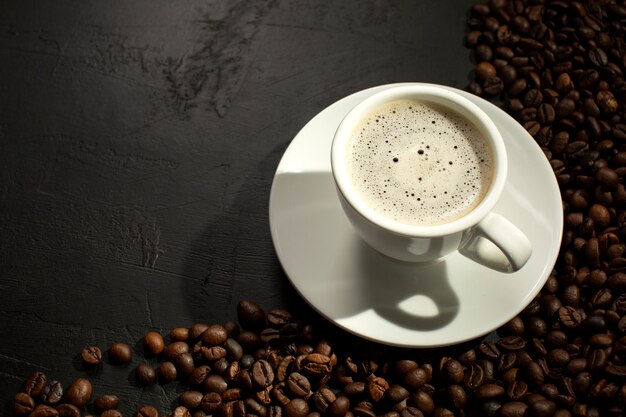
(138, 144)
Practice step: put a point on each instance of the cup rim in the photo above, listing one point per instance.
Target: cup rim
(434, 94)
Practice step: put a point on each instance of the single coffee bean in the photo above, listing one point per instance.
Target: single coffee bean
(234, 350)
(166, 372)
(513, 409)
(411, 412)
(181, 411)
(145, 374)
(296, 408)
(106, 402)
(251, 315)
(111, 413)
(211, 402)
(52, 393)
(376, 388)
(277, 318)
(120, 353)
(493, 86)
(317, 365)
(249, 341)
(22, 404)
(153, 343)
(91, 355)
(423, 402)
(68, 410)
(190, 399)
(453, 371)
(488, 392)
(184, 365)
(35, 384)
(174, 349)
(147, 411)
(339, 407)
(215, 383)
(214, 335)
(43, 410)
(262, 373)
(79, 392)
(299, 384)
(415, 379)
(179, 334)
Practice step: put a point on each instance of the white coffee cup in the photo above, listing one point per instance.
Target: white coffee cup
(421, 243)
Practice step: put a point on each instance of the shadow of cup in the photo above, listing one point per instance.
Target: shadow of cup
(411, 295)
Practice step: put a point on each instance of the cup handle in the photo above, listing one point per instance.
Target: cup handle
(497, 243)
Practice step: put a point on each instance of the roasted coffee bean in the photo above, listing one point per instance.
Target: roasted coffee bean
(214, 335)
(296, 408)
(181, 411)
(415, 379)
(174, 349)
(153, 343)
(251, 315)
(145, 374)
(179, 334)
(215, 383)
(211, 402)
(111, 413)
(488, 392)
(184, 365)
(277, 318)
(79, 392)
(91, 355)
(493, 86)
(317, 365)
(106, 402)
(22, 404)
(323, 398)
(262, 373)
(147, 411)
(512, 409)
(166, 372)
(52, 393)
(376, 388)
(35, 384)
(192, 400)
(68, 410)
(339, 407)
(453, 371)
(234, 350)
(43, 410)
(120, 353)
(213, 354)
(299, 384)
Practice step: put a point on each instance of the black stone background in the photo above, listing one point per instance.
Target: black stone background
(138, 140)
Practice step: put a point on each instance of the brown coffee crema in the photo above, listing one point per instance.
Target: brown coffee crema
(419, 163)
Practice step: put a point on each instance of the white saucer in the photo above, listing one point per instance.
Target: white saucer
(442, 303)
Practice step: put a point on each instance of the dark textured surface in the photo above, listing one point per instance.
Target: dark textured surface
(138, 141)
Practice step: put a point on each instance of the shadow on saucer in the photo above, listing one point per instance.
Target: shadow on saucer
(343, 277)
(413, 296)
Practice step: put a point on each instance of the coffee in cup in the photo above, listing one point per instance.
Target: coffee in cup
(419, 163)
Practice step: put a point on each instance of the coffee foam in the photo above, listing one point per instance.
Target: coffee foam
(418, 163)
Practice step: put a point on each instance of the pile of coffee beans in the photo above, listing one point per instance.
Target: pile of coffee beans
(558, 67)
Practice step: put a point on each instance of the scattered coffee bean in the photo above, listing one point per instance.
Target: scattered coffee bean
(91, 355)
(120, 353)
(79, 392)
(153, 343)
(145, 374)
(106, 402)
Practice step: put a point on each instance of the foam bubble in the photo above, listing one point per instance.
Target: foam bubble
(418, 163)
